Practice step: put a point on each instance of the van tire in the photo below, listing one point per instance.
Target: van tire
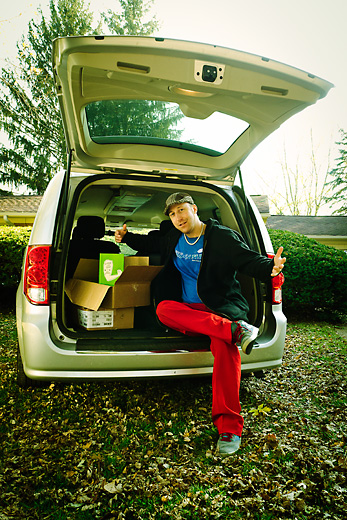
(259, 374)
(23, 381)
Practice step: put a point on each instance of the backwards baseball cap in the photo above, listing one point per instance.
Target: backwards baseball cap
(177, 198)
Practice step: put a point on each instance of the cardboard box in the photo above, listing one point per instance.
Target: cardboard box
(135, 260)
(132, 289)
(106, 319)
(85, 294)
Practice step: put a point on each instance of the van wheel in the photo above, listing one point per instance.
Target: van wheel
(260, 374)
(23, 381)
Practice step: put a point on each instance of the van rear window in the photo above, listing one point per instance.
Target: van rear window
(161, 123)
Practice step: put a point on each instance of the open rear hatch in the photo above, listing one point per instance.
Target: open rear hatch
(153, 104)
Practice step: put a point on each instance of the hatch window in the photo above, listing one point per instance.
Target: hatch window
(161, 123)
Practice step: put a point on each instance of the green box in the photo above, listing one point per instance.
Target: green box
(111, 266)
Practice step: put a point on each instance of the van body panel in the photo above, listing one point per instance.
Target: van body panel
(217, 105)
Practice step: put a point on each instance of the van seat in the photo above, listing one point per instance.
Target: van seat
(86, 243)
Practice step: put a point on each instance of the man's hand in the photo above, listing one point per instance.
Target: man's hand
(119, 233)
(278, 262)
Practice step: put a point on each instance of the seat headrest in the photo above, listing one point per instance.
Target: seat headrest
(165, 226)
(89, 227)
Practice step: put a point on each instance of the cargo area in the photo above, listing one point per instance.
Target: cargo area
(106, 302)
(115, 316)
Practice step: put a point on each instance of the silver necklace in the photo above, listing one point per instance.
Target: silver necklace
(195, 241)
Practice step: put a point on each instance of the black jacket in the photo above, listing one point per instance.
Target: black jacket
(224, 254)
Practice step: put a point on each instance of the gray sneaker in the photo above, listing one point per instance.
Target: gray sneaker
(244, 335)
(227, 444)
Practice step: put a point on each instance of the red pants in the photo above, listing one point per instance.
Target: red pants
(195, 318)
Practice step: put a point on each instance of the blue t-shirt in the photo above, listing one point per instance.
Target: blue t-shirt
(187, 259)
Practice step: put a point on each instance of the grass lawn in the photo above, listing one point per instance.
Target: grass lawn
(146, 449)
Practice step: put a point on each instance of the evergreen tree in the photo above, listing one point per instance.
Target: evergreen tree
(29, 111)
(130, 21)
(339, 183)
(137, 118)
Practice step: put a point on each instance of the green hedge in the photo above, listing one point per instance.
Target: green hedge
(315, 276)
(13, 241)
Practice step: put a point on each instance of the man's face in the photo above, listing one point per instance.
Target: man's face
(184, 217)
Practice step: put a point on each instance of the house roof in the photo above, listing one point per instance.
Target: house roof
(30, 203)
(306, 225)
(309, 226)
(11, 204)
(262, 203)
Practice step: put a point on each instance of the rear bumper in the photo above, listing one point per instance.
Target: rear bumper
(44, 359)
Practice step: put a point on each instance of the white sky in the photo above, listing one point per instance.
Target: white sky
(308, 34)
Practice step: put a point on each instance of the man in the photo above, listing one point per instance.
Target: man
(197, 293)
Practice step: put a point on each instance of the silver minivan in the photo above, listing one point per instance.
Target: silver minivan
(146, 117)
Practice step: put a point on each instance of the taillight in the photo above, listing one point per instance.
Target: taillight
(277, 282)
(36, 275)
